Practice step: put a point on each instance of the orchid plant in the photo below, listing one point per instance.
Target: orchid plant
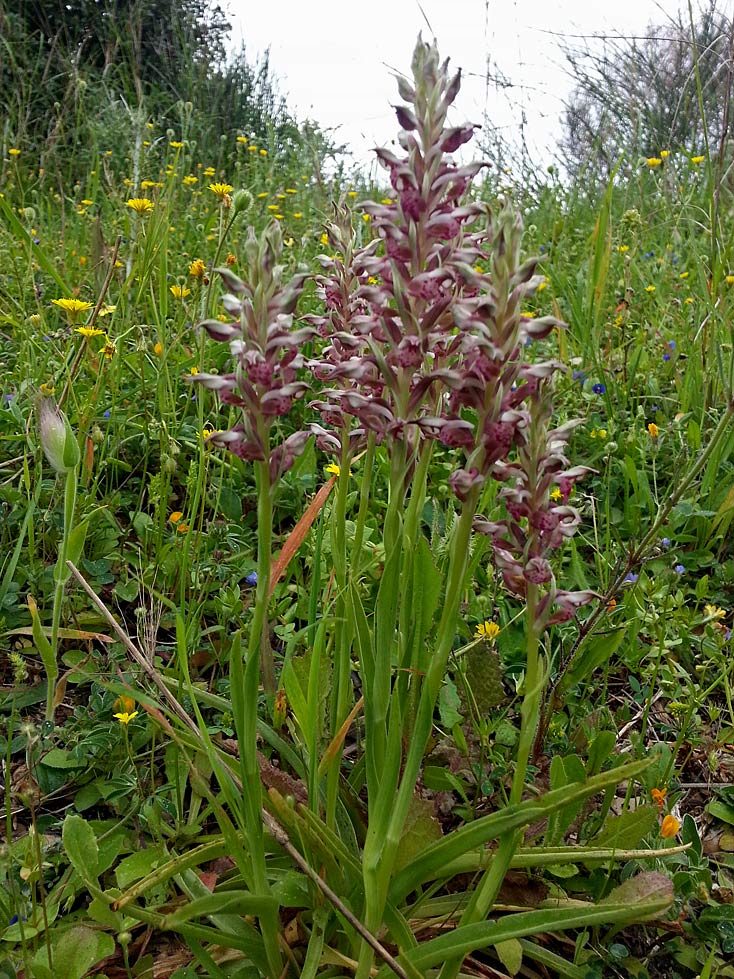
(422, 343)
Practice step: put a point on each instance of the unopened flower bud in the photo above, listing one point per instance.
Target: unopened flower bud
(241, 200)
(58, 440)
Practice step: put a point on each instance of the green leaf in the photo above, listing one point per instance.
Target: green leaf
(73, 953)
(428, 865)
(721, 810)
(593, 654)
(138, 865)
(80, 844)
(627, 830)
(637, 899)
(240, 902)
(230, 503)
(61, 758)
(510, 955)
(419, 830)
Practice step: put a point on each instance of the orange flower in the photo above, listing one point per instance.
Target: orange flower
(658, 797)
(123, 704)
(670, 827)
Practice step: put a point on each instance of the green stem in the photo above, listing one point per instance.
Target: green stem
(61, 576)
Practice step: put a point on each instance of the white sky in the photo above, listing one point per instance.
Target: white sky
(333, 58)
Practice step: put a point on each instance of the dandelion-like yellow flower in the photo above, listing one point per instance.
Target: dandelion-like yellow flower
(146, 184)
(487, 630)
(197, 269)
(73, 306)
(263, 152)
(124, 717)
(252, 148)
(324, 239)
(297, 214)
(13, 151)
(730, 280)
(189, 180)
(242, 139)
(141, 205)
(107, 310)
(291, 190)
(555, 494)
(684, 275)
(89, 331)
(109, 350)
(653, 430)
(649, 288)
(333, 469)
(176, 144)
(158, 349)
(221, 190)
(696, 160)
(176, 517)
(179, 292)
(653, 161)
(47, 389)
(665, 154)
(231, 259)
(622, 249)
(263, 195)
(670, 827)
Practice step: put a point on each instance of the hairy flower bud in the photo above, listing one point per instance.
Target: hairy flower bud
(57, 438)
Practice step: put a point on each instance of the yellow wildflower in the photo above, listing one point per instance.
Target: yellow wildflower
(684, 275)
(622, 249)
(73, 306)
(654, 161)
(555, 494)
(189, 180)
(263, 152)
(696, 160)
(109, 350)
(179, 292)
(714, 612)
(89, 331)
(141, 205)
(124, 717)
(176, 144)
(730, 280)
(653, 430)
(487, 630)
(13, 151)
(230, 259)
(649, 288)
(665, 154)
(222, 191)
(242, 139)
(158, 349)
(176, 517)
(47, 389)
(197, 269)
(333, 469)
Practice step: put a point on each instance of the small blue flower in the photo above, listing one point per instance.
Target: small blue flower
(672, 344)
(251, 579)
(599, 388)
(106, 414)
(679, 569)
(649, 255)
(665, 542)
(579, 376)
(666, 356)
(727, 636)
(632, 578)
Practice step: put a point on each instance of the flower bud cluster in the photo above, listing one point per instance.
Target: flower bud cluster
(266, 350)
(538, 482)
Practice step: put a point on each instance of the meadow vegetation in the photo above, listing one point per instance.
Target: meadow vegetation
(366, 584)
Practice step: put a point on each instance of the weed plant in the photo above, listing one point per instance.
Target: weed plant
(396, 633)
